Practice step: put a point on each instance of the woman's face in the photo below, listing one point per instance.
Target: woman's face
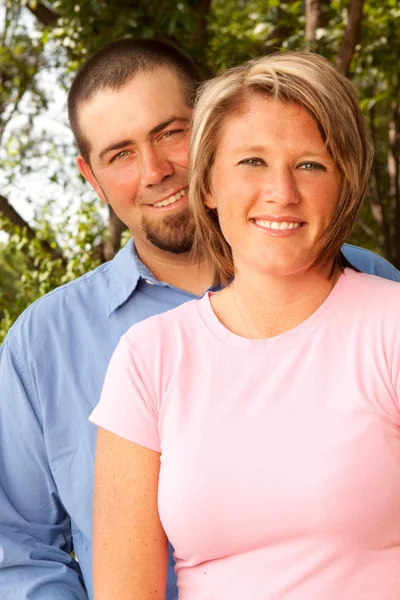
(274, 185)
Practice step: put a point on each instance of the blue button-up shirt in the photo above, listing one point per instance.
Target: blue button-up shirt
(52, 366)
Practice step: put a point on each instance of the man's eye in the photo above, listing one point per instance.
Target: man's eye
(312, 166)
(252, 162)
(121, 154)
(173, 132)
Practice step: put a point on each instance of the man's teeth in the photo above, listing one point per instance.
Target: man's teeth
(171, 199)
(282, 226)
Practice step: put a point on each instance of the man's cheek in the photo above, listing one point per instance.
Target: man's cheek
(182, 155)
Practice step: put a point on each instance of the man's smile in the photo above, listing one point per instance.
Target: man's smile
(171, 199)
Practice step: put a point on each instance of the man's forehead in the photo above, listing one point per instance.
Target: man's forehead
(136, 88)
(137, 108)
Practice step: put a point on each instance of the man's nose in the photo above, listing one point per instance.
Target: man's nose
(155, 166)
(282, 188)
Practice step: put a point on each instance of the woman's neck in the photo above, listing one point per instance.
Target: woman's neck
(257, 305)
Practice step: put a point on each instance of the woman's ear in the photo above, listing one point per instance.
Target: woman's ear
(210, 201)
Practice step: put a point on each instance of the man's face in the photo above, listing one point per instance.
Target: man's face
(138, 138)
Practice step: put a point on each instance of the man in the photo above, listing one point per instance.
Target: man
(130, 109)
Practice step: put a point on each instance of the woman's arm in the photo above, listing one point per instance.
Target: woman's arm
(130, 548)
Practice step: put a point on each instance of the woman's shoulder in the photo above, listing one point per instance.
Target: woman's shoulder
(375, 283)
(372, 292)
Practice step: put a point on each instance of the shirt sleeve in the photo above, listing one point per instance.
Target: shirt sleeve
(35, 531)
(126, 406)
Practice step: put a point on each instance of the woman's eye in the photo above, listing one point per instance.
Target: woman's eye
(312, 166)
(253, 162)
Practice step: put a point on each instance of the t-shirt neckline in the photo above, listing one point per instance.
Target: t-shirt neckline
(282, 341)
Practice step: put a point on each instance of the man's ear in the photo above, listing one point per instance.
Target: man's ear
(86, 171)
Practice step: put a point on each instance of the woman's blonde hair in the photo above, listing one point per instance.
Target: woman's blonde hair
(310, 81)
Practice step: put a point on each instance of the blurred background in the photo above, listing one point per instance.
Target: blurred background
(52, 226)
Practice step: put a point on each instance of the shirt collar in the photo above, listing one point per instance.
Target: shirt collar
(125, 272)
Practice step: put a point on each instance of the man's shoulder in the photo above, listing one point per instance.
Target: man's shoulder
(168, 323)
(370, 262)
(164, 330)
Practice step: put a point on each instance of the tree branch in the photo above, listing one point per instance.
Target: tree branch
(3, 124)
(15, 218)
(5, 28)
(350, 37)
(281, 31)
(369, 231)
(44, 14)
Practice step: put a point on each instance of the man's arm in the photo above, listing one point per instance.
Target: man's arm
(35, 533)
(370, 262)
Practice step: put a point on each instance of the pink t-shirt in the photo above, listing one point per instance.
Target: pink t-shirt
(280, 458)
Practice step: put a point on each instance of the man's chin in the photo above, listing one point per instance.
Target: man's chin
(167, 244)
(173, 234)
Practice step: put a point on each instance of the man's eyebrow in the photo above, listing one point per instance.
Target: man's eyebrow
(116, 146)
(167, 123)
(156, 129)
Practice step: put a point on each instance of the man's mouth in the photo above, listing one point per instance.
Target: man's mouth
(172, 199)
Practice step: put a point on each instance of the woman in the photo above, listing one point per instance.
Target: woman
(265, 418)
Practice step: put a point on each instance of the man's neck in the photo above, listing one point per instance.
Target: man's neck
(178, 270)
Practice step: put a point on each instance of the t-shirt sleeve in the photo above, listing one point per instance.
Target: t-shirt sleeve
(126, 407)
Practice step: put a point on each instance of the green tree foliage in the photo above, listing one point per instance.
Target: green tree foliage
(376, 73)
(21, 57)
(217, 34)
(28, 270)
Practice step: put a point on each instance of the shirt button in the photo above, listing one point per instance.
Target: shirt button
(149, 282)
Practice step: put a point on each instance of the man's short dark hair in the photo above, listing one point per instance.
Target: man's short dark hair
(116, 64)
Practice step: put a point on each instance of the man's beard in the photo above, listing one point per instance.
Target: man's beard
(174, 233)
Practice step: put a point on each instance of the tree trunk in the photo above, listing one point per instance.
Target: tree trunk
(394, 175)
(200, 32)
(115, 229)
(380, 211)
(350, 37)
(314, 20)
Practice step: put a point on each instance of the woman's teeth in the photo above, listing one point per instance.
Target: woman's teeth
(282, 226)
